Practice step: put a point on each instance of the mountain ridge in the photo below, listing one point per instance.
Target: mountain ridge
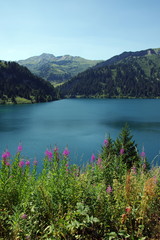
(57, 69)
(126, 54)
(130, 75)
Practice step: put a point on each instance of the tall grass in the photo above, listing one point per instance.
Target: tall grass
(103, 201)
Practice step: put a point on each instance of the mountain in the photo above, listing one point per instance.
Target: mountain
(125, 55)
(19, 85)
(130, 75)
(57, 69)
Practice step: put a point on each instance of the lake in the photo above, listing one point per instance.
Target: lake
(80, 124)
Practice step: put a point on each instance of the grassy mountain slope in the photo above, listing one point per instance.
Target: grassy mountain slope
(57, 69)
(131, 74)
(125, 55)
(19, 85)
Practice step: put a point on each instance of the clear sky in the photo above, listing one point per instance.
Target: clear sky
(93, 29)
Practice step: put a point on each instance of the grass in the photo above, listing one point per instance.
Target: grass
(104, 200)
(20, 100)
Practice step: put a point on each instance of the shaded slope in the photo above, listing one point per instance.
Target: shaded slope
(18, 81)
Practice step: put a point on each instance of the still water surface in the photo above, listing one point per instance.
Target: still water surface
(82, 124)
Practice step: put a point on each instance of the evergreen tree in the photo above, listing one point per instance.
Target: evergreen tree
(107, 149)
(108, 156)
(126, 148)
(16, 80)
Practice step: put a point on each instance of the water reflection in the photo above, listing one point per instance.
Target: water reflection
(141, 126)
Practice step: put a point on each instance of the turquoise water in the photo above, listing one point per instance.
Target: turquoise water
(80, 124)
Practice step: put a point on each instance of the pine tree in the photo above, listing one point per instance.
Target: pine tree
(107, 155)
(107, 148)
(126, 148)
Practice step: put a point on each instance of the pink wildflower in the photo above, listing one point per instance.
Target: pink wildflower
(143, 154)
(133, 170)
(106, 142)
(7, 164)
(24, 216)
(6, 155)
(121, 151)
(99, 161)
(21, 164)
(109, 189)
(56, 149)
(49, 154)
(66, 152)
(35, 162)
(27, 163)
(93, 158)
(19, 148)
(67, 165)
(28, 238)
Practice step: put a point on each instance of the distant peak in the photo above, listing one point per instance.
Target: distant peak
(47, 55)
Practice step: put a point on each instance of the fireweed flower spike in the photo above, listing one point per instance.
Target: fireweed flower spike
(7, 164)
(66, 152)
(19, 149)
(24, 216)
(67, 169)
(35, 162)
(109, 189)
(99, 161)
(93, 158)
(121, 151)
(133, 170)
(56, 149)
(21, 164)
(143, 154)
(49, 154)
(27, 163)
(4, 156)
(8, 154)
(106, 142)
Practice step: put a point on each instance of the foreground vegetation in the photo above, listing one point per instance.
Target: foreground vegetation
(115, 196)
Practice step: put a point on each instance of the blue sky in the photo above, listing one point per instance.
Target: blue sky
(93, 29)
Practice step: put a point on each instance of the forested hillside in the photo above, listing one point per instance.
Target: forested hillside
(128, 75)
(57, 69)
(19, 85)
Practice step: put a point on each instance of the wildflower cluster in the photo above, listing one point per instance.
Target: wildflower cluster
(103, 200)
